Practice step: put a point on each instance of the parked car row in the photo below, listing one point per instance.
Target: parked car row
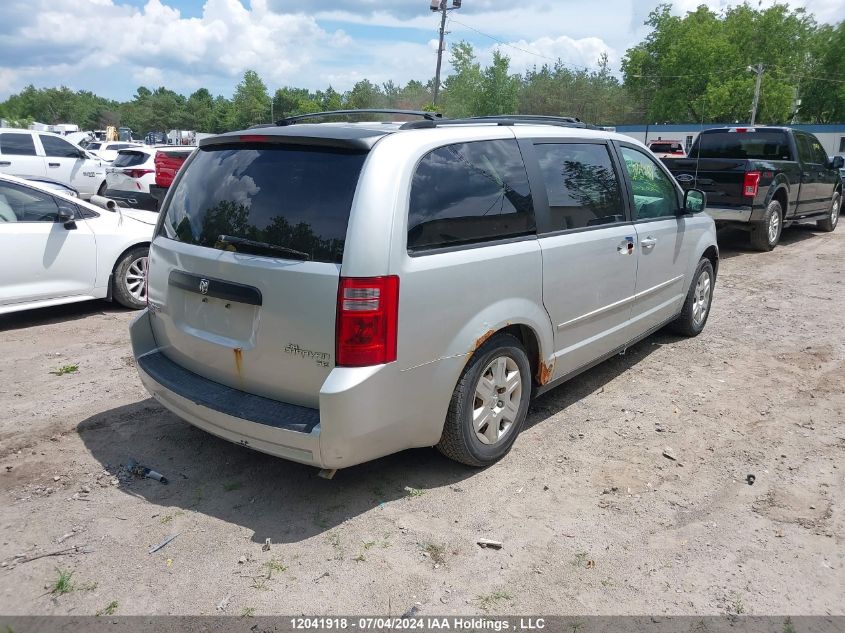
(333, 293)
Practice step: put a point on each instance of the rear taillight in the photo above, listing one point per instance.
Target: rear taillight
(751, 184)
(367, 316)
(137, 173)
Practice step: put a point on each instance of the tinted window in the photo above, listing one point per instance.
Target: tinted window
(469, 192)
(581, 184)
(665, 148)
(290, 196)
(655, 195)
(819, 155)
(22, 204)
(93, 146)
(130, 159)
(761, 145)
(17, 144)
(57, 147)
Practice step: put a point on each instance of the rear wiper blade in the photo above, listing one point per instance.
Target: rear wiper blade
(257, 248)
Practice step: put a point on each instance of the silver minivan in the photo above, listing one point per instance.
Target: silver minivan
(332, 293)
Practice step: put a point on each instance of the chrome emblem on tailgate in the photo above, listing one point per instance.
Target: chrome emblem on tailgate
(684, 178)
(204, 286)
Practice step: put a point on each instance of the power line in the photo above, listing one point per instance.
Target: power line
(523, 50)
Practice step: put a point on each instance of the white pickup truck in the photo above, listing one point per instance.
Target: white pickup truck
(32, 153)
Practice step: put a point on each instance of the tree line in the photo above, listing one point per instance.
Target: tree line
(691, 68)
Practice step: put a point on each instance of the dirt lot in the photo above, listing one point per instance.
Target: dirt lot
(593, 517)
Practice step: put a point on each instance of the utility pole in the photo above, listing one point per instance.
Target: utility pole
(440, 5)
(759, 70)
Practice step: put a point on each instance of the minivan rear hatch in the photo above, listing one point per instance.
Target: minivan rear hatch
(245, 267)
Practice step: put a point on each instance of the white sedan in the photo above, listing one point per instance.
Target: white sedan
(108, 150)
(57, 249)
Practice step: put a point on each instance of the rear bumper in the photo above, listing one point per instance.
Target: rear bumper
(134, 199)
(364, 413)
(730, 214)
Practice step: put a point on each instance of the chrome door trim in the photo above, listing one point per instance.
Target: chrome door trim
(620, 303)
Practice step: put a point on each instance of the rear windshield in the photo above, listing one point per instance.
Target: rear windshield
(760, 145)
(130, 159)
(289, 196)
(665, 148)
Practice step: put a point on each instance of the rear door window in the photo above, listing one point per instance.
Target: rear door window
(15, 144)
(57, 147)
(287, 196)
(130, 159)
(581, 184)
(469, 192)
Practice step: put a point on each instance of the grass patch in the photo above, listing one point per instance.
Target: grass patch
(248, 612)
(369, 544)
(437, 553)
(274, 564)
(65, 369)
(488, 600)
(580, 559)
(360, 558)
(63, 584)
(260, 583)
(168, 518)
(413, 492)
(232, 486)
(109, 609)
(737, 606)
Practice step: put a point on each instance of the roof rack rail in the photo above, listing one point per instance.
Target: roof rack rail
(290, 120)
(503, 119)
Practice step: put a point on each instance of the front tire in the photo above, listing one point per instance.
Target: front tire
(489, 404)
(696, 308)
(829, 223)
(765, 235)
(129, 280)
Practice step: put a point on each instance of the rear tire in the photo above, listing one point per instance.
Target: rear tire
(489, 404)
(102, 190)
(129, 283)
(697, 304)
(829, 223)
(765, 234)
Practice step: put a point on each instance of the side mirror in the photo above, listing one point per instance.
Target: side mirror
(67, 217)
(695, 201)
(837, 162)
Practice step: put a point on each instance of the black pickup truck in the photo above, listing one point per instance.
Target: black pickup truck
(763, 179)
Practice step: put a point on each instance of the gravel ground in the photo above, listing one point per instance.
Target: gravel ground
(593, 516)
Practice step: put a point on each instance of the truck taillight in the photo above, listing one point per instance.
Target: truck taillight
(367, 316)
(751, 184)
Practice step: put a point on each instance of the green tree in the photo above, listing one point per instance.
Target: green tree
(251, 101)
(499, 91)
(199, 111)
(462, 89)
(694, 67)
(822, 86)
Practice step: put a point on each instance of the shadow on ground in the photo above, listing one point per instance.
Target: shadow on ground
(57, 314)
(283, 500)
(733, 242)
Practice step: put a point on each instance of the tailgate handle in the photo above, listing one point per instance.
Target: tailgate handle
(217, 288)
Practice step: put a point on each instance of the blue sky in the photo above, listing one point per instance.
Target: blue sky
(113, 46)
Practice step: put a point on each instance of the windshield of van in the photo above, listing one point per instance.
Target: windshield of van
(289, 196)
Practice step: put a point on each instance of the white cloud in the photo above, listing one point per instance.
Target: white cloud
(111, 47)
